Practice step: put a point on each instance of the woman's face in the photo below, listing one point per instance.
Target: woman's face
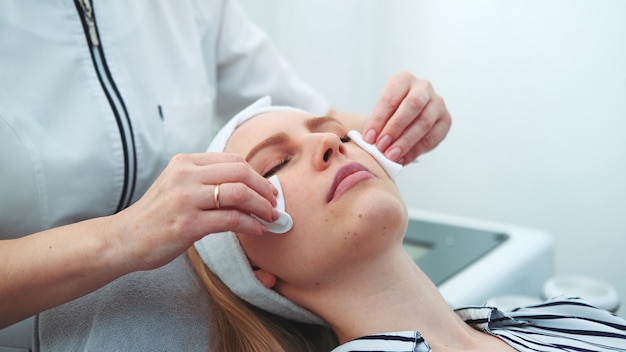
(345, 208)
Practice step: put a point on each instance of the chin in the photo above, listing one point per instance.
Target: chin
(386, 213)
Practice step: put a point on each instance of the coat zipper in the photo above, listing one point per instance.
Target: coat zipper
(85, 10)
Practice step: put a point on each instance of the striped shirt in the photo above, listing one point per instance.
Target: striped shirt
(555, 325)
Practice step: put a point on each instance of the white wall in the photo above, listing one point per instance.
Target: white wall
(537, 90)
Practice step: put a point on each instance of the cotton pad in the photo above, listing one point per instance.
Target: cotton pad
(392, 168)
(284, 222)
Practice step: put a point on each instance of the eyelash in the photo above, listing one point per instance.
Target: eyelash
(276, 168)
(287, 159)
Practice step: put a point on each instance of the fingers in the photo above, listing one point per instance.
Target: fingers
(238, 172)
(230, 220)
(195, 178)
(423, 134)
(409, 119)
(239, 196)
(394, 92)
(428, 142)
(410, 110)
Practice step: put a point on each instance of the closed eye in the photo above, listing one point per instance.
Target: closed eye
(277, 168)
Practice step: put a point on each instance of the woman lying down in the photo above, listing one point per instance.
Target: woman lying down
(338, 278)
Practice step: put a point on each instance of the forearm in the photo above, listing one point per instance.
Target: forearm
(52, 267)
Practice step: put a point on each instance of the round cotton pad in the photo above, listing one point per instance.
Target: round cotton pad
(392, 168)
(284, 222)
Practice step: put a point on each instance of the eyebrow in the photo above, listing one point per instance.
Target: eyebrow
(313, 125)
(277, 139)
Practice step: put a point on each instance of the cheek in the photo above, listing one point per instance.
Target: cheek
(258, 249)
(292, 259)
(304, 201)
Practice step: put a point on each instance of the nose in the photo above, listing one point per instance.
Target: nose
(327, 147)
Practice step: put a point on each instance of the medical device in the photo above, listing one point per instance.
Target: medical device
(472, 261)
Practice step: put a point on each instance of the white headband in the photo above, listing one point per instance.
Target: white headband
(222, 252)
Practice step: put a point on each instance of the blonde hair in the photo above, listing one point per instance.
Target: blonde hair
(239, 326)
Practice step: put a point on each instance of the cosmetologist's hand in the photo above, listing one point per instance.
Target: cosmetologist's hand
(180, 207)
(409, 119)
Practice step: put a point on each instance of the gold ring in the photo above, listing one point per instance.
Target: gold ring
(216, 196)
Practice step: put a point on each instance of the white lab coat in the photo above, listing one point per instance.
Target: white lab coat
(65, 156)
(174, 63)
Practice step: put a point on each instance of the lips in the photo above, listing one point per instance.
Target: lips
(348, 176)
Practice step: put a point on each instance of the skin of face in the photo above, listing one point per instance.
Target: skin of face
(329, 238)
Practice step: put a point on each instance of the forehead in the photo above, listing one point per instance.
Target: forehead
(253, 131)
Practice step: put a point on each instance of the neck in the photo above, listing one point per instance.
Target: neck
(389, 294)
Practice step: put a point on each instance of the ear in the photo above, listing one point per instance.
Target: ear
(267, 279)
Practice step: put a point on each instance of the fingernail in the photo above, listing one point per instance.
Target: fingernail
(275, 214)
(370, 136)
(394, 154)
(384, 143)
